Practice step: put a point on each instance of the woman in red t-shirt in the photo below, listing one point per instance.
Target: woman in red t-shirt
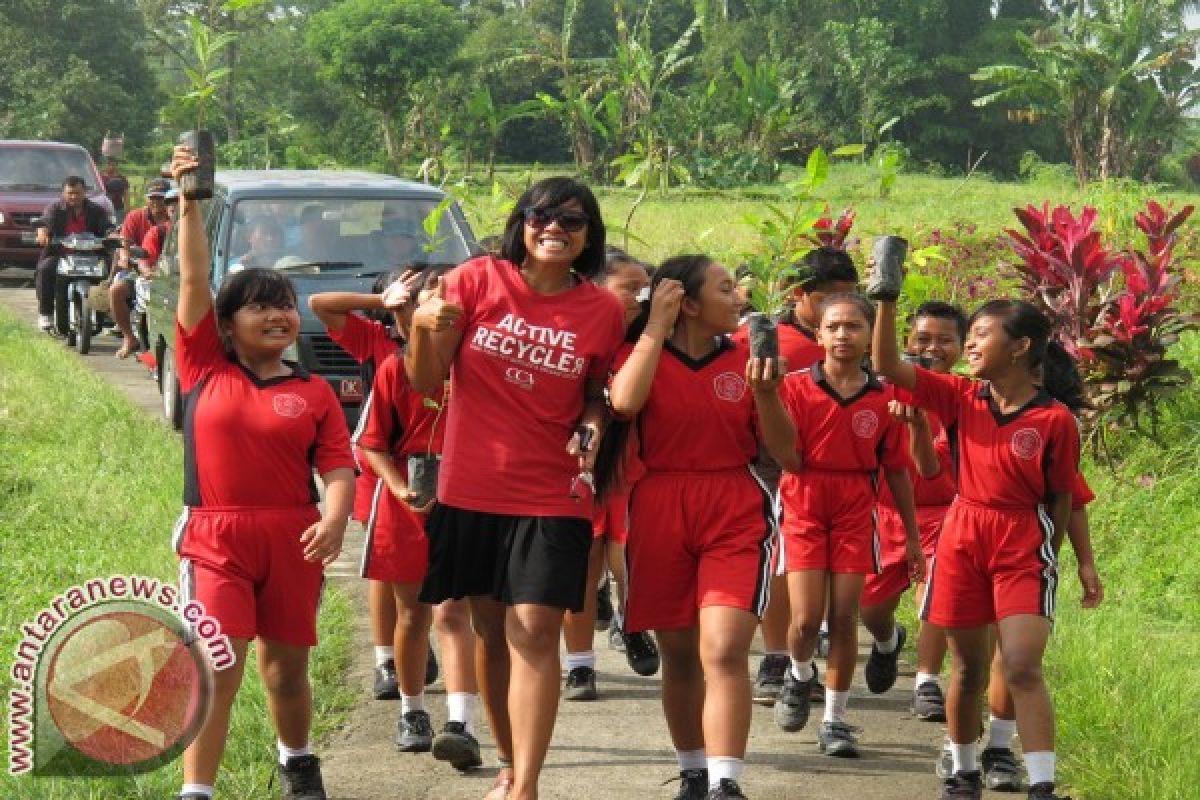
(252, 542)
(527, 340)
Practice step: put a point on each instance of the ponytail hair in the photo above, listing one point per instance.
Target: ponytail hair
(1061, 379)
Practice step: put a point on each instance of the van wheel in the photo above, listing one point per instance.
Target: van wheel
(172, 402)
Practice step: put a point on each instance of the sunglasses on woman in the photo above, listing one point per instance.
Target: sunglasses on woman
(569, 221)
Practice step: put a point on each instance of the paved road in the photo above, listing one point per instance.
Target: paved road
(615, 747)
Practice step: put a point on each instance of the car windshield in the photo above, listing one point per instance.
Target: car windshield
(43, 168)
(340, 234)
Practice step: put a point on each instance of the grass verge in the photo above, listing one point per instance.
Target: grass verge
(90, 486)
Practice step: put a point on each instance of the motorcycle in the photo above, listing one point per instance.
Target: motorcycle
(83, 263)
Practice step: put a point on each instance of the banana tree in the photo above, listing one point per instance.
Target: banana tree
(648, 166)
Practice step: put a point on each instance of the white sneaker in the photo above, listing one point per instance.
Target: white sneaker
(45, 322)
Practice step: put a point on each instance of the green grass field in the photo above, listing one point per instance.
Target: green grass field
(89, 487)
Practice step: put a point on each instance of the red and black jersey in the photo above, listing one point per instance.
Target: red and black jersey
(1081, 493)
(400, 420)
(797, 344)
(1014, 460)
(843, 434)
(368, 342)
(928, 492)
(250, 442)
(699, 415)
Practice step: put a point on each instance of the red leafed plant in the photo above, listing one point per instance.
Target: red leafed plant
(828, 232)
(1128, 368)
(1113, 310)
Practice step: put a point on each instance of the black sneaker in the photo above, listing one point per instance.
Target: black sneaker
(414, 733)
(881, 668)
(616, 639)
(1001, 772)
(431, 667)
(604, 607)
(928, 702)
(641, 652)
(693, 784)
(769, 680)
(1045, 791)
(962, 786)
(727, 789)
(386, 687)
(300, 779)
(791, 707)
(581, 684)
(456, 745)
(838, 739)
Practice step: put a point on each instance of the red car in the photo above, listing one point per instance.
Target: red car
(31, 176)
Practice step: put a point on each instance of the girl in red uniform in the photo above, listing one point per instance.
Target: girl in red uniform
(939, 331)
(702, 526)
(625, 277)
(399, 423)
(252, 543)
(1018, 454)
(527, 340)
(369, 340)
(830, 429)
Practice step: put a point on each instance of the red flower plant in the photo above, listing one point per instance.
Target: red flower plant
(828, 233)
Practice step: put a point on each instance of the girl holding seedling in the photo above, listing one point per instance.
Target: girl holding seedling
(830, 429)
(1018, 454)
(626, 278)
(527, 339)
(252, 543)
(369, 340)
(400, 423)
(702, 525)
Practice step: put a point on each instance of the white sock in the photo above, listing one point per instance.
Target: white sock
(927, 677)
(802, 670)
(460, 707)
(197, 788)
(1040, 766)
(691, 759)
(584, 659)
(619, 619)
(965, 759)
(286, 752)
(889, 645)
(414, 702)
(1000, 732)
(835, 705)
(723, 767)
(384, 653)
(825, 627)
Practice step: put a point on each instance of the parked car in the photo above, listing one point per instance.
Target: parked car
(31, 176)
(329, 231)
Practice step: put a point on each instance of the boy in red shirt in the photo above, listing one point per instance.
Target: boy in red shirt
(829, 427)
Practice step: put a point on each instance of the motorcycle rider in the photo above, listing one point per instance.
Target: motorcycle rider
(73, 213)
(134, 231)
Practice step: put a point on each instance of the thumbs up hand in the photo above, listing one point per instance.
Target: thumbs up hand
(434, 313)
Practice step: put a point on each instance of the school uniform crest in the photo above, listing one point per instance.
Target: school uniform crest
(865, 423)
(1026, 444)
(289, 405)
(730, 386)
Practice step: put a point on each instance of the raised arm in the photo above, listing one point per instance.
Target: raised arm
(195, 297)
(332, 307)
(885, 354)
(433, 341)
(631, 385)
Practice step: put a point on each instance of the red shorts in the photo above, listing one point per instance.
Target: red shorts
(396, 549)
(892, 536)
(611, 520)
(247, 567)
(829, 522)
(886, 585)
(991, 564)
(695, 540)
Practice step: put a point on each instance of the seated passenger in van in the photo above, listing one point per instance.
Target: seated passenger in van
(266, 245)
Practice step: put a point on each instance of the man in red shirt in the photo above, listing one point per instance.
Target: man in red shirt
(73, 213)
(136, 230)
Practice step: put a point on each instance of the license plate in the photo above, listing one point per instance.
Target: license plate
(350, 389)
(28, 237)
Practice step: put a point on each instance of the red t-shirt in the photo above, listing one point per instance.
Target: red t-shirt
(928, 492)
(249, 442)
(699, 415)
(796, 344)
(1012, 460)
(518, 382)
(1081, 494)
(398, 420)
(137, 224)
(153, 242)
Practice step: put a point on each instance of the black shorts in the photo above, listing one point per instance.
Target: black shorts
(537, 560)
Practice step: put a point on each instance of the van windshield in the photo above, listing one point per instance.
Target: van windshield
(334, 234)
(35, 169)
